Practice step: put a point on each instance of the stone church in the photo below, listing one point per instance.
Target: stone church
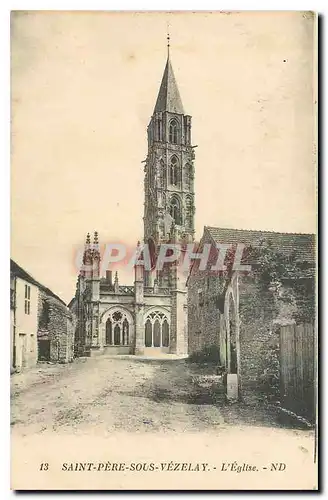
(150, 317)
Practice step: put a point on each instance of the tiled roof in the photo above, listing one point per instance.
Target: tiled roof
(303, 244)
(168, 96)
(17, 270)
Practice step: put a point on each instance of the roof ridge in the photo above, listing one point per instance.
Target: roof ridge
(258, 231)
(36, 282)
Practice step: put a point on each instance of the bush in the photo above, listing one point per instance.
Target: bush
(208, 355)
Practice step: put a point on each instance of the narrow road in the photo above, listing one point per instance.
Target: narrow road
(127, 409)
(107, 394)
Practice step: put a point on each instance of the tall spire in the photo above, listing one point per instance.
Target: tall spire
(168, 96)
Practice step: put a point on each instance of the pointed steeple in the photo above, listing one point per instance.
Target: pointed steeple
(169, 97)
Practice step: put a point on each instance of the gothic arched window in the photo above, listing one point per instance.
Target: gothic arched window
(109, 332)
(175, 210)
(157, 330)
(174, 171)
(118, 327)
(173, 131)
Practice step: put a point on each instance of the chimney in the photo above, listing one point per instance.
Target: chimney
(109, 277)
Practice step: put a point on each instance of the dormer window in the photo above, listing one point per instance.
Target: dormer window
(173, 131)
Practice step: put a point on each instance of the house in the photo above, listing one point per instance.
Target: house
(41, 324)
(238, 309)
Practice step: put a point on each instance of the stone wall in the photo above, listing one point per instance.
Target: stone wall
(260, 312)
(56, 326)
(258, 308)
(205, 305)
(256, 314)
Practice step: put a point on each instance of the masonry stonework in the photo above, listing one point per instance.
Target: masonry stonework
(55, 331)
(237, 313)
(41, 324)
(149, 317)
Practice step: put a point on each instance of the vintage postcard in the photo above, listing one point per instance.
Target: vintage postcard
(163, 261)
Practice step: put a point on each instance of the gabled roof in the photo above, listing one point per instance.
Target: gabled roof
(286, 243)
(18, 271)
(169, 97)
(302, 244)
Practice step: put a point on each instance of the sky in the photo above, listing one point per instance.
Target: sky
(83, 89)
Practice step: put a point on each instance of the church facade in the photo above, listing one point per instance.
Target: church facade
(150, 317)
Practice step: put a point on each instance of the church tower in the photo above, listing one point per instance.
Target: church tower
(169, 168)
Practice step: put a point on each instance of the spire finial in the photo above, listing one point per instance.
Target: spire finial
(116, 285)
(168, 40)
(88, 239)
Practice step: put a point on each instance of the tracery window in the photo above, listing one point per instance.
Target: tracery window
(117, 328)
(174, 171)
(173, 131)
(157, 330)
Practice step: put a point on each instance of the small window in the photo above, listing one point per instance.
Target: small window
(200, 298)
(27, 302)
